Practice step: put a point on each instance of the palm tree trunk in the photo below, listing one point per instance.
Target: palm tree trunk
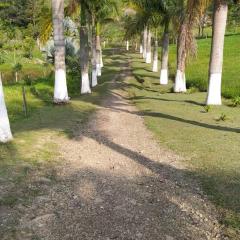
(94, 55)
(5, 131)
(127, 45)
(84, 53)
(145, 35)
(180, 79)
(216, 60)
(149, 47)
(60, 87)
(98, 49)
(155, 56)
(164, 62)
(101, 58)
(141, 49)
(16, 76)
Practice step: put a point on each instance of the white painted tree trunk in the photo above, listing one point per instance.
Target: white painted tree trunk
(155, 65)
(98, 47)
(155, 57)
(136, 46)
(99, 70)
(94, 57)
(101, 59)
(180, 82)
(164, 76)
(145, 34)
(180, 79)
(94, 77)
(214, 89)
(164, 66)
(141, 49)
(84, 53)
(85, 83)
(127, 45)
(60, 87)
(5, 131)
(216, 60)
(149, 47)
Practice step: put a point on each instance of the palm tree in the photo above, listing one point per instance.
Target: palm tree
(168, 11)
(145, 42)
(60, 87)
(186, 12)
(164, 60)
(216, 59)
(98, 49)
(5, 131)
(149, 47)
(94, 53)
(106, 12)
(84, 50)
(144, 19)
(155, 54)
(100, 11)
(141, 45)
(127, 45)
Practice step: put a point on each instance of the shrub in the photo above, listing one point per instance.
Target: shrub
(207, 108)
(17, 67)
(192, 90)
(236, 101)
(2, 60)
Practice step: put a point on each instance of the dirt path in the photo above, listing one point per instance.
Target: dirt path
(118, 183)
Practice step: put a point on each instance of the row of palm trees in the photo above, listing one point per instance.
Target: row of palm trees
(93, 13)
(182, 16)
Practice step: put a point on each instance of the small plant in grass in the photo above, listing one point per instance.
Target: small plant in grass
(223, 118)
(236, 101)
(28, 80)
(16, 69)
(192, 90)
(207, 108)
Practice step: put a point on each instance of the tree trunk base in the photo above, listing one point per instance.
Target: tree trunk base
(101, 61)
(164, 77)
(148, 57)
(85, 89)
(127, 46)
(180, 82)
(141, 49)
(5, 131)
(94, 78)
(155, 65)
(214, 90)
(60, 87)
(99, 70)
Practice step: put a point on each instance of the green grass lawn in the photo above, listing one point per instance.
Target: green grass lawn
(209, 145)
(197, 69)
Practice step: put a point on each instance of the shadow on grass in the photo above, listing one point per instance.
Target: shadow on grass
(166, 100)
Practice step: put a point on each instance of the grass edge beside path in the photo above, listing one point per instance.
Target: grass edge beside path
(209, 142)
